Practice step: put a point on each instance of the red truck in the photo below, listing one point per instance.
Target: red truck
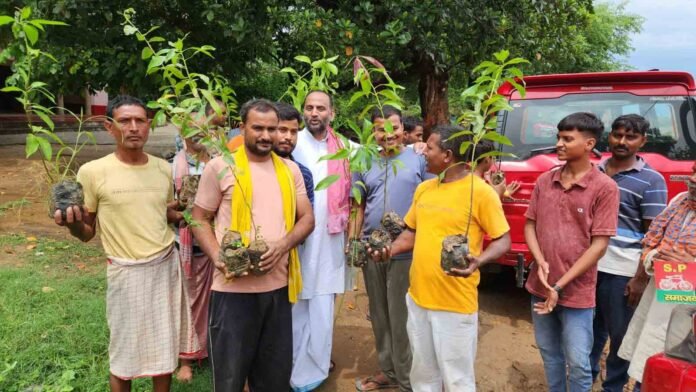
(666, 99)
(674, 370)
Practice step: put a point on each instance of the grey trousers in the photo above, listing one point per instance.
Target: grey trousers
(387, 284)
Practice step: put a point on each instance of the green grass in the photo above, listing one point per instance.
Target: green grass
(53, 332)
(12, 204)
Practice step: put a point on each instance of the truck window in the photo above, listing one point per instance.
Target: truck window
(532, 123)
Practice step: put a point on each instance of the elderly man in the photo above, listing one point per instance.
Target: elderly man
(126, 196)
(671, 237)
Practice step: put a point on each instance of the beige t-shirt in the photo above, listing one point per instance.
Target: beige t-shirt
(131, 205)
(267, 211)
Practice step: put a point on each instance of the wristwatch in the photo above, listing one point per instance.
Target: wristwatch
(558, 289)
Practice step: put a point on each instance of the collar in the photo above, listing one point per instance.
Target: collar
(638, 165)
(584, 181)
(312, 138)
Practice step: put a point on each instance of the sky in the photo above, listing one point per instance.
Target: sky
(667, 40)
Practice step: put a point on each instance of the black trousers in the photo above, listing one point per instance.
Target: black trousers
(250, 338)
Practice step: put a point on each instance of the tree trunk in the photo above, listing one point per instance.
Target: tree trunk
(432, 91)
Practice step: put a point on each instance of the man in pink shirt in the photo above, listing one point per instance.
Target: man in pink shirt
(250, 327)
(572, 214)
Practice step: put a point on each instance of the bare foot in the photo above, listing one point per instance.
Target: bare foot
(185, 373)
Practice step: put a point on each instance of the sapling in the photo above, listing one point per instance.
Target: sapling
(483, 104)
(59, 167)
(185, 95)
(359, 156)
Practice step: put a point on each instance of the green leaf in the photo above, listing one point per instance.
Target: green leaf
(146, 53)
(129, 30)
(338, 155)
(156, 39)
(356, 194)
(497, 138)
(4, 19)
(32, 33)
(326, 182)
(46, 119)
(45, 147)
(26, 12)
(502, 55)
(11, 89)
(517, 60)
(32, 145)
(303, 59)
(50, 22)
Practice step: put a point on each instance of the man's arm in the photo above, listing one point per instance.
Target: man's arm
(205, 236)
(637, 284)
(533, 245)
(402, 244)
(496, 249)
(80, 222)
(304, 224)
(355, 224)
(590, 257)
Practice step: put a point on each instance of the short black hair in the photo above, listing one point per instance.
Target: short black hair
(319, 91)
(411, 122)
(386, 112)
(259, 105)
(631, 123)
(483, 147)
(585, 122)
(287, 112)
(122, 100)
(448, 142)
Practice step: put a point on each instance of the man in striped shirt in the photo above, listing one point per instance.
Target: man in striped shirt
(621, 280)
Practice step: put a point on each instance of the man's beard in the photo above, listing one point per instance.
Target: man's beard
(316, 130)
(282, 154)
(254, 149)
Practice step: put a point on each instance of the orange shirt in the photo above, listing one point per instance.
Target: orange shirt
(235, 143)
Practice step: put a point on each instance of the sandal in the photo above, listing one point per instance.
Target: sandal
(372, 384)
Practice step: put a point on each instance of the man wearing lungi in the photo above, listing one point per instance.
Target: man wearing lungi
(260, 195)
(126, 195)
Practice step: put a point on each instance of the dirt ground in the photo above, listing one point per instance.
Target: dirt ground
(507, 359)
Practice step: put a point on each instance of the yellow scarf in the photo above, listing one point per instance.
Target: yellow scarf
(241, 213)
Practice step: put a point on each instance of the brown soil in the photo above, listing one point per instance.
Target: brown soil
(507, 359)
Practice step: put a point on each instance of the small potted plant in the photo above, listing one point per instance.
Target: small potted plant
(185, 95)
(59, 165)
(479, 120)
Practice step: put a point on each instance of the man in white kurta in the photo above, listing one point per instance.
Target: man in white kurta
(323, 262)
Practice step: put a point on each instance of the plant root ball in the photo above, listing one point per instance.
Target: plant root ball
(256, 249)
(65, 194)
(393, 224)
(378, 240)
(234, 254)
(454, 251)
(187, 193)
(357, 254)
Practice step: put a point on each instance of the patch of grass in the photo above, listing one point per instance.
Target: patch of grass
(12, 204)
(53, 321)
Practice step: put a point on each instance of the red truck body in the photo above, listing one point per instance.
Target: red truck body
(665, 374)
(666, 99)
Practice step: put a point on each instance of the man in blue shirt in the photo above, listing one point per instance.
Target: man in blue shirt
(387, 282)
(284, 145)
(621, 279)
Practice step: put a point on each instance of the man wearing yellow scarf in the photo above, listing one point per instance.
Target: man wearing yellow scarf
(260, 196)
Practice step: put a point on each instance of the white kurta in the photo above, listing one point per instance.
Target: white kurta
(321, 255)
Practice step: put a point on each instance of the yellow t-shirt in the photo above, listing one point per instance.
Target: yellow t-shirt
(131, 204)
(439, 210)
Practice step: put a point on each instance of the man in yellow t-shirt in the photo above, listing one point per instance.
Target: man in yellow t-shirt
(443, 307)
(126, 196)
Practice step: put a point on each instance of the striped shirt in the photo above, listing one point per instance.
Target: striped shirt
(643, 196)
